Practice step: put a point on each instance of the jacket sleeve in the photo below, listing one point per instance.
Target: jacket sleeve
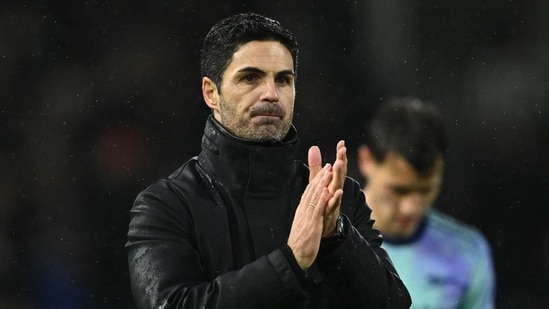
(166, 270)
(359, 269)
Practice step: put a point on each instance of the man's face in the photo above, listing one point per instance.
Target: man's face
(399, 196)
(257, 93)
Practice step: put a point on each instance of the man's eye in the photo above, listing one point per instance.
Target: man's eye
(401, 191)
(282, 80)
(249, 78)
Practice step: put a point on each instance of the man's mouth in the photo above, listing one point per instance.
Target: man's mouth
(405, 221)
(268, 110)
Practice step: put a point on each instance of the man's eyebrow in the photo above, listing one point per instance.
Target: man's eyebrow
(285, 72)
(258, 71)
(251, 70)
(401, 188)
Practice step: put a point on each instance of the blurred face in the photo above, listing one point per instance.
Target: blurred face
(398, 196)
(256, 98)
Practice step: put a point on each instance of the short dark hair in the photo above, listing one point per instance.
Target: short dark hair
(228, 35)
(410, 128)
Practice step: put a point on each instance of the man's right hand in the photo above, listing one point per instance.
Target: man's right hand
(307, 227)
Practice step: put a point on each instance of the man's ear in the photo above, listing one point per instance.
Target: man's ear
(210, 94)
(365, 160)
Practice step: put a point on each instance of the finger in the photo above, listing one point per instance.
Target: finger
(340, 167)
(315, 162)
(333, 203)
(319, 184)
(341, 153)
(312, 191)
(322, 202)
(331, 213)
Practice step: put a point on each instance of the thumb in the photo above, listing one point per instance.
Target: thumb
(315, 161)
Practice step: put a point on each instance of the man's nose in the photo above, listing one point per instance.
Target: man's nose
(270, 91)
(411, 203)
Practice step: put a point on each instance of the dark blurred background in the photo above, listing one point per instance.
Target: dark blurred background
(101, 98)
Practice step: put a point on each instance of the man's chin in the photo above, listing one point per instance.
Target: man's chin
(407, 232)
(264, 133)
(267, 130)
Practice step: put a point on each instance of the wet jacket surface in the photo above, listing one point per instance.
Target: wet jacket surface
(214, 235)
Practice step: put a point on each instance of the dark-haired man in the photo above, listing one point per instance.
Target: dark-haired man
(443, 262)
(244, 224)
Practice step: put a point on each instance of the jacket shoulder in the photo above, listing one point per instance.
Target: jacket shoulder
(184, 187)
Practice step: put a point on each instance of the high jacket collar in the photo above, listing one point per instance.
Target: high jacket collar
(248, 166)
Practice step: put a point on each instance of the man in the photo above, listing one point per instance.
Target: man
(244, 224)
(444, 263)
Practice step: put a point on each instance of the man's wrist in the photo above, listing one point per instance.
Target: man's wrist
(339, 230)
(330, 243)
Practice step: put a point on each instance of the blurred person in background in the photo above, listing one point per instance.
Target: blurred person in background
(443, 262)
(244, 224)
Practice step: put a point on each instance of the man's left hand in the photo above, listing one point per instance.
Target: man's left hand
(335, 187)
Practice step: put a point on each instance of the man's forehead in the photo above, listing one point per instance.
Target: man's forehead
(255, 51)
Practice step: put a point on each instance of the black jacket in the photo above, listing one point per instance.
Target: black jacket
(213, 235)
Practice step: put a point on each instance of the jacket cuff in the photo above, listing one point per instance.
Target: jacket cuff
(300, 273)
